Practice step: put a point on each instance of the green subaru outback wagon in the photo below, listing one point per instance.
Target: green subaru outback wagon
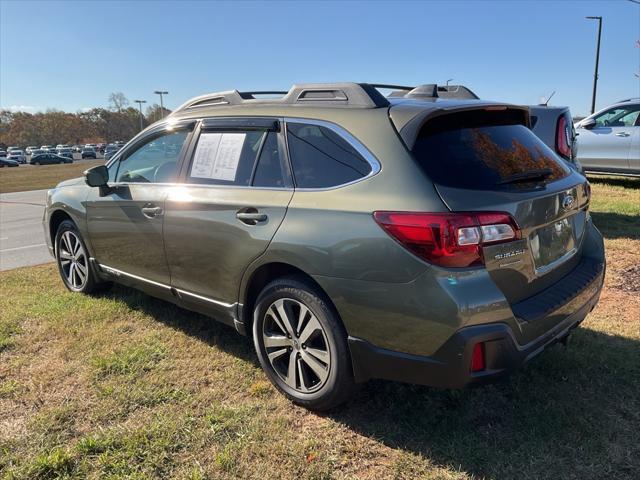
(352, 235)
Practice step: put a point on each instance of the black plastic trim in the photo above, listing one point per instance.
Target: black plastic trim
(244, 123)
(560, 293)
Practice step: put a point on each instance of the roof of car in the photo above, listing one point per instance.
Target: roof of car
(323, 100)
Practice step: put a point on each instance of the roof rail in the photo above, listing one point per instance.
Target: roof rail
(360, 95)
(628, 99)
(430, 91)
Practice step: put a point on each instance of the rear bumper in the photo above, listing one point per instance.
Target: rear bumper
(449, 366)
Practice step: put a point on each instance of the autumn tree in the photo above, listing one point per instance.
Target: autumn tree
(118, 101)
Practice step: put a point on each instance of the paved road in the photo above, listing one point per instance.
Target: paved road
(21, 236)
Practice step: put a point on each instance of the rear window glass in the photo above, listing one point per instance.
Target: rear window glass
(321, 158)
(480, 150)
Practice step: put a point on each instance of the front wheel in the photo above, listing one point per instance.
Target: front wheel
(302, 345)
(73, 260)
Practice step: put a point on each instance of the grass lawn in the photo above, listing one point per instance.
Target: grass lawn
(39, 177)
(126, 386)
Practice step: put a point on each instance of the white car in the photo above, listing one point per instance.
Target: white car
(609, 140)
(17, 155)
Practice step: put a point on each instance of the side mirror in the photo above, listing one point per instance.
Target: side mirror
(588, 124)
(97, 176)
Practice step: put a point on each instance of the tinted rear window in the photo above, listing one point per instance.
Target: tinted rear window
(321, 158)
(478, 150)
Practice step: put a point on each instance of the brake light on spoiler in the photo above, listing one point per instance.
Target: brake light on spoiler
(449, 239)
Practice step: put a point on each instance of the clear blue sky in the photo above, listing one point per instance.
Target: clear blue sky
(71, 55)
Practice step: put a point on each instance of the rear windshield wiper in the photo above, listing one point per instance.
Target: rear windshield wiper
(529, 176)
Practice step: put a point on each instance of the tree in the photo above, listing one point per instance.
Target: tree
(118, 101)
(155, 112)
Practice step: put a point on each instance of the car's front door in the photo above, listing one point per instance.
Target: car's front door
(235, 195)
(125, 220)
(608, 144)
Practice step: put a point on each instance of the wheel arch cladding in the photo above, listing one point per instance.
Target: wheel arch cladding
(265, 274)
(57, 217)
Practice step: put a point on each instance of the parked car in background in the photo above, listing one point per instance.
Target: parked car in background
(9, 149)
(37, 151)
(48, 159)
(29, 150)
(554, 126)
(110, 150)
(48, 148)
(3, 153)
(412, 238)
(17, 155)
(609, 140)
(88, 152)
(551, 124)
(65, 152)
(76, 148)
(5, 162)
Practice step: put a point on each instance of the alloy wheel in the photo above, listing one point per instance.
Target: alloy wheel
(73, 260)
(296, 345)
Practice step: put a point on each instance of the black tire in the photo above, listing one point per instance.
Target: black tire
(339, 385)
(90, 282)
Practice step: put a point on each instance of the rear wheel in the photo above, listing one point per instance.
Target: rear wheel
(73, 260)
(302, 345)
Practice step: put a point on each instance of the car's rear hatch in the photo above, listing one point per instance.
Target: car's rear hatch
(483, 157)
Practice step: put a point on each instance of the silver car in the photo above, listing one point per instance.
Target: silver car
(609, 140)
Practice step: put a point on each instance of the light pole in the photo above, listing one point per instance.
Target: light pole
(160, 92)
(140, 102)
(595, 76)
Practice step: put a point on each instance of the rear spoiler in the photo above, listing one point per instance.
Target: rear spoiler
(410, 118)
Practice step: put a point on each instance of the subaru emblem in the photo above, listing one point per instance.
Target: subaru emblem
(567, 202)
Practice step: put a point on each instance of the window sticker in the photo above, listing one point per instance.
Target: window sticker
(217, 156)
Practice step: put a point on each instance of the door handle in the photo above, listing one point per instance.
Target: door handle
(623, 134)
(151, 211)
(251, 216)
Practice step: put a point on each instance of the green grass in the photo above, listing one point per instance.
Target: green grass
(126, 386)
(40, 177)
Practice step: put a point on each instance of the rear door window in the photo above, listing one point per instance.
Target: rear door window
(240, 158)
(321, 158)
(481, 150)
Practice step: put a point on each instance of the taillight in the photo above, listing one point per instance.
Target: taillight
(449, 239)
(562, 137)
(477, 358)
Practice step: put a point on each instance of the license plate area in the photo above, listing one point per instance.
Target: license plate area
(553, 244)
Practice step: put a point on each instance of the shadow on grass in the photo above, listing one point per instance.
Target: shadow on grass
(617, 225)
(624, 182)
(570, 413)
(193, 324)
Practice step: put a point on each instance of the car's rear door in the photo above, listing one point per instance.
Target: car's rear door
(125, 220)
(235, 192)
